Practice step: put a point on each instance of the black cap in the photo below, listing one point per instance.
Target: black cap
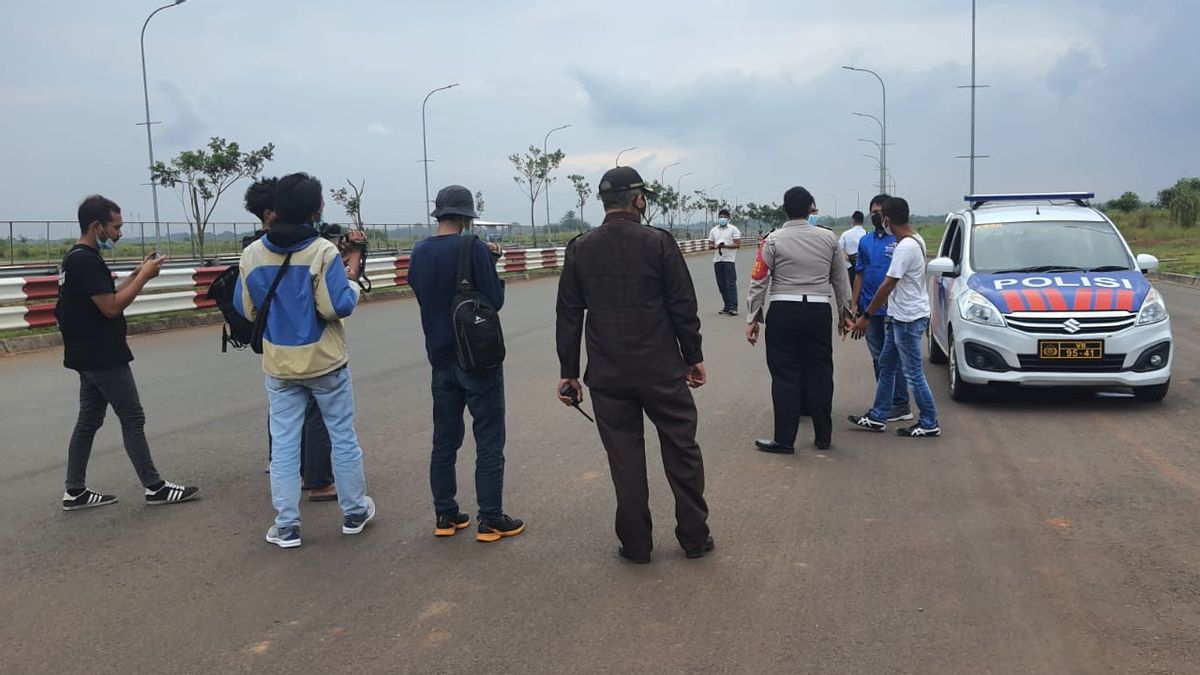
(623, 178)
(454, 200)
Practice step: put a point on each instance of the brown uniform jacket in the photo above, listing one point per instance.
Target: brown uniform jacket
(634, 286)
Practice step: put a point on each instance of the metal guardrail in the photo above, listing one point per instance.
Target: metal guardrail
(28, 302)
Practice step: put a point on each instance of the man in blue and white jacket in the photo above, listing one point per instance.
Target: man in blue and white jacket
(304, 350)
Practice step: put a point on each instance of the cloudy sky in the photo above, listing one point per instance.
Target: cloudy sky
(1085, 94)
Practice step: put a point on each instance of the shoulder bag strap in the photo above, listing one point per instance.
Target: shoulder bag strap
(465, 280)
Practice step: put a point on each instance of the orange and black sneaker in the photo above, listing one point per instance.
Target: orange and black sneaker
(495, 529)
(448, 524)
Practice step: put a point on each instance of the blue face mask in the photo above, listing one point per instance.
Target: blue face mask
(722, 221)
(104, 242)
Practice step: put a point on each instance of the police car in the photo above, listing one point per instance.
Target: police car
(1042, 290)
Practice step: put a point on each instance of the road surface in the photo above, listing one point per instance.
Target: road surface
(1045, 533)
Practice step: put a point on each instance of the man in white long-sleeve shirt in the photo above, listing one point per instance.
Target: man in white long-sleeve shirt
(798, 265)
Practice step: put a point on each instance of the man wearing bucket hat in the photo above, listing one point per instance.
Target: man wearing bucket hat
(643, 344)
(432, 273)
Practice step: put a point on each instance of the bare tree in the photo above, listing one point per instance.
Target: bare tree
(533, 171)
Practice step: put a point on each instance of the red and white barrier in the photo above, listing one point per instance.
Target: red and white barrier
(28, 302)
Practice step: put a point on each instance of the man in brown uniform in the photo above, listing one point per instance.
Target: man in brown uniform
(643, 345)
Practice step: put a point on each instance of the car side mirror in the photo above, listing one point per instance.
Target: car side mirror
(1147, 262)
(941, 267)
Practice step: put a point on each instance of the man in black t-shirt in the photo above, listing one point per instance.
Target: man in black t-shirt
(91, 317)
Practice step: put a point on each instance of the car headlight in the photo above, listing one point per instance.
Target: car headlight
(975, 308)
(1153, 310)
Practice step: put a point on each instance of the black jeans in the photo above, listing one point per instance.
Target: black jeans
(99, 389)
(727, 283)
(672, 410)
(483, 393)
(800, 358)
(316, 462)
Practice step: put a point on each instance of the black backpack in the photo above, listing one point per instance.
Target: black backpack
(477, 333)
(238, 330)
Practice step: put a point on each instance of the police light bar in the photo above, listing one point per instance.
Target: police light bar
(1078, 197)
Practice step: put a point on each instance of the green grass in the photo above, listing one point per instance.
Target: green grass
(1151, 231)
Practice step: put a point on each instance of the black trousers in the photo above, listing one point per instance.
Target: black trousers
(726, 273)
(800, 358)
(99, 389)
(672, 410)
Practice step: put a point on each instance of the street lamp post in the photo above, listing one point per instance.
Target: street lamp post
(623, 152)
(149, 138)
(425, 146)
(835, 206)
(883, 125)
(662, 175)
(857, 200)
(708, 192)
(678, 188)
(544, 141)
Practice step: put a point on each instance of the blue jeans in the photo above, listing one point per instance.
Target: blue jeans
(289, 398)
(875, 333)
(727, 283)
(483, 393)
(902, 351)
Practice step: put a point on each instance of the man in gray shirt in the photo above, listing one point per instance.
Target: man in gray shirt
(797, 266)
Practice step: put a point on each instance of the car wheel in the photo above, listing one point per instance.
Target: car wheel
(936, 355)
(1152, 394)
(959, 390)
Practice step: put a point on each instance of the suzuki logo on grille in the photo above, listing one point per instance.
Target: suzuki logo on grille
(1072, 326)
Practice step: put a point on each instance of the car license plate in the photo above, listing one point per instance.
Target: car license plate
(1070, 350)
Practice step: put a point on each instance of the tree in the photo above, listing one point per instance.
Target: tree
(533, 171)
(1185, 207)
(657, 201)
(582, 191)
(351, 201)
(479, 202)
(570, 221)
(1166, 196)
(203, 175)
(1126, 203)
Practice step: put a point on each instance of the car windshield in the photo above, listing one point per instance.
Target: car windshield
(1047, 246)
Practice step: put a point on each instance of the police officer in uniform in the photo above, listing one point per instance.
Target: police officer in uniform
(799, 262)
(643, 345)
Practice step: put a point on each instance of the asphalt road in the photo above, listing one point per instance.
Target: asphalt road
(1046, 532)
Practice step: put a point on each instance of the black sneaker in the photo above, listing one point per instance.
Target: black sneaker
(823, 445)
(694, 553)
(88, 499)
(448, 524)
(284, 537)
(495, 529)
(171, 493)
(724, 311)
(900, 416)
(355, 524)
(917, 430)
(635, 558)
(732, 312)
(866, 422)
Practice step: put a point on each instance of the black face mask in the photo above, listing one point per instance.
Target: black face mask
(877, 220)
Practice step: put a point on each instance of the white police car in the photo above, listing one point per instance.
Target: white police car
(1042, 290)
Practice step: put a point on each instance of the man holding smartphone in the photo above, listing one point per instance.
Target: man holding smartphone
(91, 317)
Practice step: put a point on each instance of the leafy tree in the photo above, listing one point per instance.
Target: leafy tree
(533, 175)
(1166, 196)
(479, 205)
(203, 175)
(351, 201)
(570, 221)
(1126, 203)
(659, 202)
(1185, 207)
(582, 191)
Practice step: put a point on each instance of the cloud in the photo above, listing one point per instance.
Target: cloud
(181, 124)
(380, 129)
